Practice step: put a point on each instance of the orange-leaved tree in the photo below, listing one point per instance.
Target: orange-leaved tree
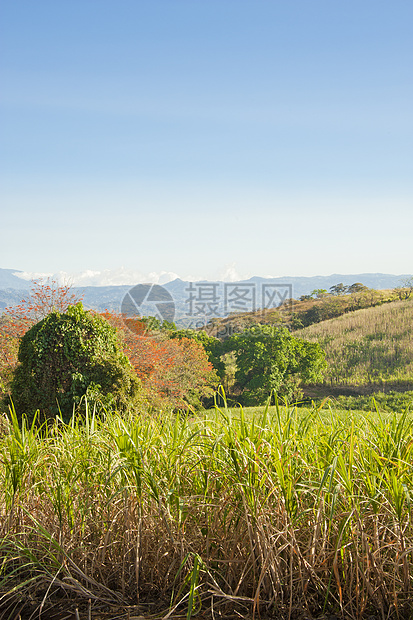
(44, 297)
(174, 373)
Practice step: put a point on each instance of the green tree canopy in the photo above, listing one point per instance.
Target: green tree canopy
(67, 355)
(338, 289)
(405, 290)
(357, 287)
(270, 358)
(319, 293)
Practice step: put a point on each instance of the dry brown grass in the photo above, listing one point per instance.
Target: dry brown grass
(370, 346)
(282, 515)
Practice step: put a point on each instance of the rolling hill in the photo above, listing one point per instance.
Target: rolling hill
(367, 350)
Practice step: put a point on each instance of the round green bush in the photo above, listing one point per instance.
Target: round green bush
(67, 356)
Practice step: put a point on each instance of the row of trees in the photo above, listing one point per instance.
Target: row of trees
(342, 299)
(54, 352)
(403, 291)
(337, 290)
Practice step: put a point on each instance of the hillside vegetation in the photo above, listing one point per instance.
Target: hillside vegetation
(298, 313)
(372, 347)
(366, 336)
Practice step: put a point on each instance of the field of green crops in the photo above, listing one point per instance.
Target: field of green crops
(275, 513)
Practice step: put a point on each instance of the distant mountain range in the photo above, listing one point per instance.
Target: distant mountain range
(199, 301)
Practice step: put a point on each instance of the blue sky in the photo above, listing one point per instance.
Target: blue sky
(206, 138)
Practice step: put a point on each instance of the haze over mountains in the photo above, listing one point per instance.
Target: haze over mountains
(205, 298)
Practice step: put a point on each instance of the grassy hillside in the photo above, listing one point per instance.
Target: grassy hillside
(367, 337)
(296, 314)
(370, 349)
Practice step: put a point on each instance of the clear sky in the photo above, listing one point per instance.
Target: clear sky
(206, 138)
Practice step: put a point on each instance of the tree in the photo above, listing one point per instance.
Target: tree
(191, 377)
(405, 290)
(407, 283)
(44, 297)
(357, 287)
(338, 289)
(175, 372)
(319, 293)
(211, 345)
(271, 358)
(66, 356)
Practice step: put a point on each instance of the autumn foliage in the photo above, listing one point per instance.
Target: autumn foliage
(44, 297)
(174, 373)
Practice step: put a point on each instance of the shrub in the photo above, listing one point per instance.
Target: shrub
(66, 356)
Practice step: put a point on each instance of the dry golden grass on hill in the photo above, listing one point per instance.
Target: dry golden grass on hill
(296, 314)
(373, 346)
